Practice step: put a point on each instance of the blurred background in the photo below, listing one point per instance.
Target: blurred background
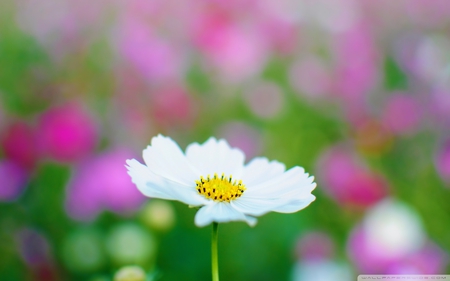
(356, 92)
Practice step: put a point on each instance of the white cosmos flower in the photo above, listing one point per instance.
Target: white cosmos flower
(213, 175)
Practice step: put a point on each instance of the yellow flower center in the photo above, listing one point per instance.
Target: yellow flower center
(220, 188)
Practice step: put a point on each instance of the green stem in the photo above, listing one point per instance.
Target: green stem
(214, 258)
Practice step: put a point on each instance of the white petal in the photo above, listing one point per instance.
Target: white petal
(260, 170)
(220, 212)
(253, 206)
(216, 156)
(295, 205)
(155, 186)
(259, 206)
(294, 182)
(165, 158)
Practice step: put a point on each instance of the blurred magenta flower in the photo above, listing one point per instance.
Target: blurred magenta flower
(13, 180)
(402, 114)
(19, 144)
(347, 180)
(67, 133)
(101, 182)
(314, 246)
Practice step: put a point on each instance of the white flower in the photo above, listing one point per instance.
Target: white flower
(213, 175)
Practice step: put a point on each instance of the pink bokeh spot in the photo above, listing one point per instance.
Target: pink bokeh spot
(19, 144)
(311, 77)
(315, 245)
(402, 114)
(347, 181)
(152, 56)
(67, 133)
(172, 105)
(429, 260)
(13, 180)
(442, 161)
(100, 183)
(356, 63)
(242, 136)
(236, 52)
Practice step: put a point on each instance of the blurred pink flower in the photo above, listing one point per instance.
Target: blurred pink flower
(19, 144)
(430, 259)
(67, 133)
(13, 180)
(265, 99)
(172, 106)
(242, 136)
(438, 109)
(60, 26)
(348, 181)
(311, 77)
(428, 13)
(402, 114)
(153, 56)
(283, 35)
(237, 51)
(442, 161)
(356, 70)
(100, 183)
(315, 245)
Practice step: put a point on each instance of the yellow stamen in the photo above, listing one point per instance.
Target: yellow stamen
(220, 188)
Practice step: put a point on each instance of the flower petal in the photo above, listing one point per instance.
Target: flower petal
(260, 170)
(294, 183)
(221, 212)
(254, 206)
(165, 158)
(295, 205)
(216, 156)
(155, 186)
(258, 206)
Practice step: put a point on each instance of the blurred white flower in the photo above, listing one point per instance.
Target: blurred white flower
(394, 228)
(213, 175)
(322, 270)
